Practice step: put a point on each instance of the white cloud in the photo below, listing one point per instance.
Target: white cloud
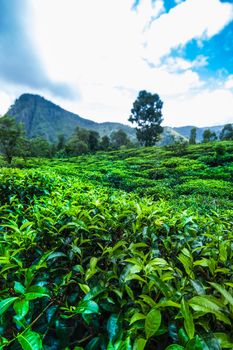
(205, 108)
(192, 19)
(98, 48)
(176, 64)
(229, 82)
(6, 101)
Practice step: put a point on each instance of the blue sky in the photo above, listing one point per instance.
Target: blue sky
(93, 57)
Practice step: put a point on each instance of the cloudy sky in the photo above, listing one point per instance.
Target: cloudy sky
(92, 57)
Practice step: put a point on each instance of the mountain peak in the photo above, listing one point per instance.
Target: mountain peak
(43, 118)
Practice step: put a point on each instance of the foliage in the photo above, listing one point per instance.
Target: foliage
(119, 138)
(89, 261)
(227, 132)
(10, 137)
(209, 136)
(193, 136)
(147, 114)
(179, 147)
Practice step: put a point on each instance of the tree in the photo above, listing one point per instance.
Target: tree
(93, 141)
(61, 142)
(209, 136)
(81, 134)
(105, 143)
(147, 114)
(75, 147)
(119, 138)
(192, 137)
(40, 147)
(10, 137)
(227, 132)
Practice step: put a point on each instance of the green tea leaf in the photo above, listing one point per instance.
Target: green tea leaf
(19, 288)
(5, 304)
(87, 307)
(21, 307)
(194, 344)
(152, 322)
(30, 341)
(224, 292)
(112, 326)
(188, 319)
(136, 317)
(139, 344)
(208, 305)
(224, 340)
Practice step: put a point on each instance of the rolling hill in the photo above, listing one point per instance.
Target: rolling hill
(41, 117)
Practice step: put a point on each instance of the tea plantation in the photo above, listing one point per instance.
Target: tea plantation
(125, 250)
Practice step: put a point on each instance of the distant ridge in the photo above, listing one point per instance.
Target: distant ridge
(46, 119)
(185, 130)
(42, 117)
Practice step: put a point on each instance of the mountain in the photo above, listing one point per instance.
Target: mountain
(185, 131)
(41, 117)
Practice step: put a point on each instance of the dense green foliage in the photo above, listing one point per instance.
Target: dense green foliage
(10, 138)
(147, 114)
(193, 136)
(126, 250)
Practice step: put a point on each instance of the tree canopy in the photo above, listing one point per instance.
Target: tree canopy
(10, 137)
(147, 114)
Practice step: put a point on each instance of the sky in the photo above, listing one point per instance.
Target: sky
(92, 57)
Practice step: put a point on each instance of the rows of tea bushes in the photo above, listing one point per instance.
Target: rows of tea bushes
(157, 172)
(91, 261)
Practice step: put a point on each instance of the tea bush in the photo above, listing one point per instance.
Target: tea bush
(97, 253)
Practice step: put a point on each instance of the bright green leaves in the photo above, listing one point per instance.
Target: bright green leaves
(136, 317)
(86, 307)
(152, 322)
(224, 340)
(35, 292)
(228, 297)
(5, 304)
(92, 262)
(139, 344)
(207, 304)
(188, 319)
(21, 307)
(19, 288)
(30, 341)
(92, 269)
(186, 259)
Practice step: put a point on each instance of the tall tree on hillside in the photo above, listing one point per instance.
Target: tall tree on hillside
(10, 137)
(193, 136)
(227, 132)
(209, 136)
(147, 114)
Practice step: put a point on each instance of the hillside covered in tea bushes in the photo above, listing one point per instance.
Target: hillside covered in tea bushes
(125, 250)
